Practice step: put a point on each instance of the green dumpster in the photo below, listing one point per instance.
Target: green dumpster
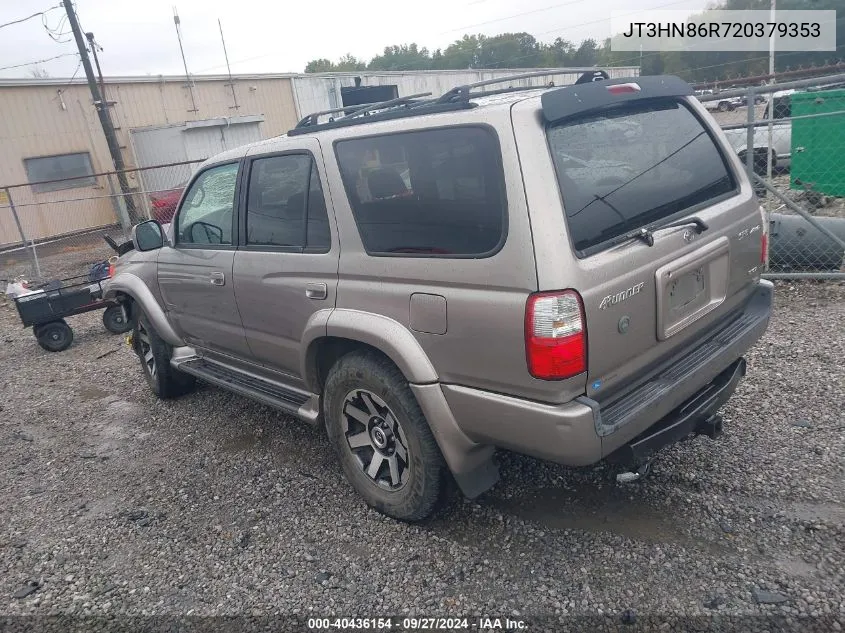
(818, 142)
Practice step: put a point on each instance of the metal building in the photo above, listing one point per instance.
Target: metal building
(49, 129)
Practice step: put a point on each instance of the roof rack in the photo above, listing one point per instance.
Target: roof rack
(358, 110)
(463, 92)
(458, 98)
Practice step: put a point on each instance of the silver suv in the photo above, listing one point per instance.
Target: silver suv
(570, 273)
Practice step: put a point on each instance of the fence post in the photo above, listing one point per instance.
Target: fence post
(23, 235)
(749, 139)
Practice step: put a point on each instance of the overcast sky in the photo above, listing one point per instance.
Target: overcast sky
(138, 36)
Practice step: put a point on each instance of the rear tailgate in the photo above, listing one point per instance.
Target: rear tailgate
(640, 156)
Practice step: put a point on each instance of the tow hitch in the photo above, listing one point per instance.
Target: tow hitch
(711, 427)
(633, 475)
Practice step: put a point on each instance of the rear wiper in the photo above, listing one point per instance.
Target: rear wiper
(647, 235)
(699, 224)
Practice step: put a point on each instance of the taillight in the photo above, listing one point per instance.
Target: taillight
(764, 237)
(619, 89)
(555, 336)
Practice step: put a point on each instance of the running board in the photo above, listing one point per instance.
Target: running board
(254, 387)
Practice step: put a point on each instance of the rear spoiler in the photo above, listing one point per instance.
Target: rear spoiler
(595, 93)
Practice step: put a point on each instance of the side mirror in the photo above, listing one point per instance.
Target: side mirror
(148, 236)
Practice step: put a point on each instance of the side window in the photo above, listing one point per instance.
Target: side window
(285, 204)
(206, 214)
(433, 192)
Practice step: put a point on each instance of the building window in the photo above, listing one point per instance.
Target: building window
(72, 171)
(429, 193)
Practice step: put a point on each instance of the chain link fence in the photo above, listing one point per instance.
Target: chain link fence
(55, 229)
(791, 137)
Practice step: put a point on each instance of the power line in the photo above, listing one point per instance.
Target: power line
(516, 15)
(29, 17)
(57, 33)
(37, 61)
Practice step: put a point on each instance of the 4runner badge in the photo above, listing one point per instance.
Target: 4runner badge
(619, 297)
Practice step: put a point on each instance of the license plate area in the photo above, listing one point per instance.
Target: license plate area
(691, 286)
(687, 291)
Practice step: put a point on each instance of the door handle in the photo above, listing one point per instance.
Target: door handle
(217, 279)
(316, 290)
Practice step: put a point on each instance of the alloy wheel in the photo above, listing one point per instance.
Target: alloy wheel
(146, 351)
(376, 439)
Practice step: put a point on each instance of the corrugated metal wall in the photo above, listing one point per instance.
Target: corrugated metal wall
(46, 118)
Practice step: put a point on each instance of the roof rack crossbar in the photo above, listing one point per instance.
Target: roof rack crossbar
(429, 106)
(312, 119)
(463, 92)
(386, 104)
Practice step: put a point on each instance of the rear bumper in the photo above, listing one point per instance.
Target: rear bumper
(697, 416)
(678, 395)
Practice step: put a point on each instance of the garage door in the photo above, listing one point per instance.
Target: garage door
(192, 140)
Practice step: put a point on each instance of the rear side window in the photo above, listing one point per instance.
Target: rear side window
(623, 169)
(285, 204)
(427, 193)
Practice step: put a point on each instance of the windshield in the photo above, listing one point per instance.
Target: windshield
(620, 170)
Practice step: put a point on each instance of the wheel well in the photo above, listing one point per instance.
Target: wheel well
(325, 352)
(128, 301)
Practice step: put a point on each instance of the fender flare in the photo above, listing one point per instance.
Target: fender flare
(471, 463)
(385, 334)
(132, 285)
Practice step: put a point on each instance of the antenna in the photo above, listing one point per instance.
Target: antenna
(185, 63)
(228, 69)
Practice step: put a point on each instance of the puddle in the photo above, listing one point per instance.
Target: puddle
(608, 510)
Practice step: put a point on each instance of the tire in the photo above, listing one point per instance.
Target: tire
(154, 354)
(373, 419)
(724, 106)
(55, 336)
(760, 166)
(115, 320)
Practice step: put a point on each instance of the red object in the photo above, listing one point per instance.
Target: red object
(764, 247)
(164, 203)
(555, 338)
(619, 89)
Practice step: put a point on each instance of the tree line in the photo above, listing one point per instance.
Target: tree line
(523, 50)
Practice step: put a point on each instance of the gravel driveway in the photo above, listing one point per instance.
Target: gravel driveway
(116, 504)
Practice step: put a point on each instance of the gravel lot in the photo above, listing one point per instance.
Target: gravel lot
(117, 504)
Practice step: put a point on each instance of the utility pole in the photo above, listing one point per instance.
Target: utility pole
(94, 47)
(101, 107)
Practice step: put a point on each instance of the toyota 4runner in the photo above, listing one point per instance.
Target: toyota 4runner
(570, 273)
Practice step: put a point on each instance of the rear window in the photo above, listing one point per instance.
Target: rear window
(623, 169)
(427, 194)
